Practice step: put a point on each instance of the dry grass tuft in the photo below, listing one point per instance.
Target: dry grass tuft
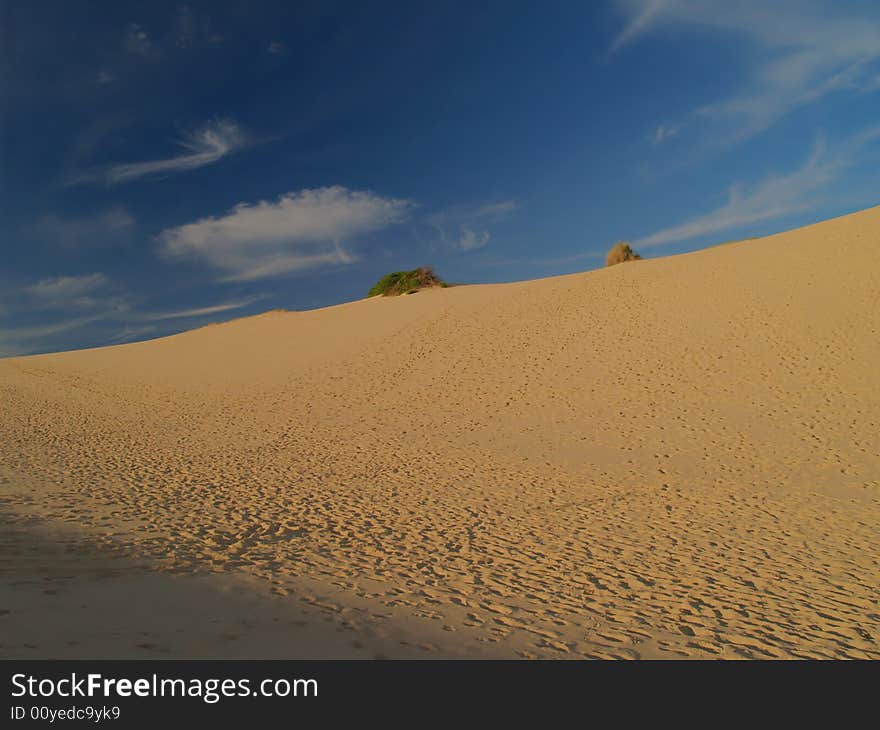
(620, 252)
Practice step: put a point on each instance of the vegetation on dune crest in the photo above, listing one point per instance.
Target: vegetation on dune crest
(620, 252)
(406, 282)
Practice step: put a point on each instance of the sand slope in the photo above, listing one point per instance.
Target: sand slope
(676, 457)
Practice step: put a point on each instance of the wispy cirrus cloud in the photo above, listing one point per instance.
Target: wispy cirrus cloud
(139, 44)
(198, 311)
(129, 333)
(798, 51)
(69, 292)
(185, 30)
(300, 230)
(25, 340)
(97, 292)
(467, 226)
(470, 239)
(664, 133)
(773, 197)
(69, 303)
(42, 316)
(154, 321)
(204, 146)
(642, 14)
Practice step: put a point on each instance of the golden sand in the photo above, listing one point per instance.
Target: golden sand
(667, 458)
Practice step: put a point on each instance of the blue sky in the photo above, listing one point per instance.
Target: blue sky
(166, 165)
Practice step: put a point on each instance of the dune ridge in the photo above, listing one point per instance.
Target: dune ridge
(673, 459)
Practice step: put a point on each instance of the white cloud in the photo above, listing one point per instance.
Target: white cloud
(205, 146)
(300, 230)
(798, 52)
(470, 240)
(276, 48)
(469, 223)
(664, 132)
(774, 197)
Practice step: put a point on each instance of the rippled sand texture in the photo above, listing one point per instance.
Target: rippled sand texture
(675, 457)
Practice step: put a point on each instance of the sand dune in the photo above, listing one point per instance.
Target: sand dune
(671, 458)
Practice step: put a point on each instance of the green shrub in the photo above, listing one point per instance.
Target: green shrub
(405, 282)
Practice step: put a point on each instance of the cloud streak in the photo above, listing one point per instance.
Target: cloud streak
(69, 303)
(73, 302)
(22, 340)
(642, 15)
(67, 292)
(798, 51)
(205, 146)
(300, 230)
(774, 197)
(198, 312)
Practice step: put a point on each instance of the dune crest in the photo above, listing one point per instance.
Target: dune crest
(677, 458)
